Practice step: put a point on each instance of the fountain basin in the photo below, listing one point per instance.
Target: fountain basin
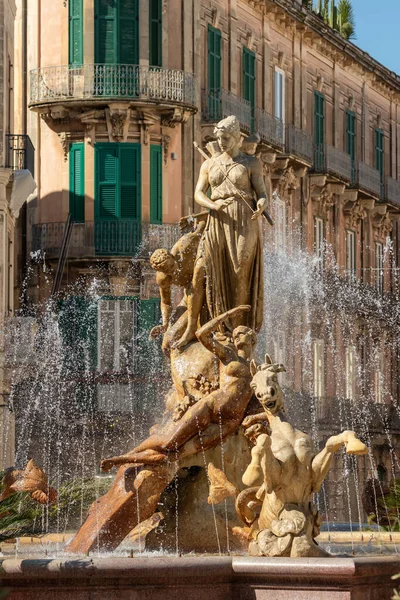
(198, 578)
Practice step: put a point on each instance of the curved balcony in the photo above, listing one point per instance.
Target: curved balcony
(105, 82)
(104, 238)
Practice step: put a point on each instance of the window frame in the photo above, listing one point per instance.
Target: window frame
(351, 258)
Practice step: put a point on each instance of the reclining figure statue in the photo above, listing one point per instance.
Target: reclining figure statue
(284, 473)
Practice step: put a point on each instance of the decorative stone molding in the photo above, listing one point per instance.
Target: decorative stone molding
(56, 115)
(117, 118)
(118, 272)
(65, 144)
(215, 17)
(287, 179)
(323, 194)
(175, 116)
(357, 211)
(166, 141)
(382, 223)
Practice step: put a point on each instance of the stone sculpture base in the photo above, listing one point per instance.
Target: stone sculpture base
(211, 578)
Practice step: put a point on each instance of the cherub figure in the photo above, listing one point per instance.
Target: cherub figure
(215, 416)
(176, 267)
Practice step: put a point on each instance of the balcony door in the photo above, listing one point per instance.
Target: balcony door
(117, 199)
(77, 182)
(249, 81)
(116, 48)
(75, 33)
(214, 73)
(319, 130)
(351, 140)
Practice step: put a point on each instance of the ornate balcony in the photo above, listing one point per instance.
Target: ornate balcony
(299, 144)
(366, 179)
(392, 191)
(105, 82)
(104, 238)
(270, 129)
(20, 153)
(221, 103)
(333, 162)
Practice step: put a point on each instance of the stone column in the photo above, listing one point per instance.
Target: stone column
(337, 121)
(296, 97)
(144, 32)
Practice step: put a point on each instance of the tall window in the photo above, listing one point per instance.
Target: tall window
(117, 32)
(77, 182)
(380, 152)
(350, 372)
(351, 139)
(116, 335)
(319, 369)
(350, 253)
(155, 184)
(379, 272)
(319, 238)
(214, 72)
(279, 96)
(379, 375)
(155, 33)
(117, 198)
(249, 81)
(75, 33)
(279, 211)
(319, 130)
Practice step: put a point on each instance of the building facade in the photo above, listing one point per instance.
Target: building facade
(116, 100)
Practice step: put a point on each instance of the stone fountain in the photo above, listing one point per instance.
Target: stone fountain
(225, 414)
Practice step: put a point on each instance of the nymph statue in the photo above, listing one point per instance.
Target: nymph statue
(228, 271)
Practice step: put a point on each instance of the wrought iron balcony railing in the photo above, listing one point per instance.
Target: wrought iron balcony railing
(132, 82)
(392, 191)
(269, 128)
(104, 238)
(299, 143)
(332, 161)
(220, 103)
(20, 153)
(366, 178)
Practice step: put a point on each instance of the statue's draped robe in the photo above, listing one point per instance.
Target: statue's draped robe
(231, 245)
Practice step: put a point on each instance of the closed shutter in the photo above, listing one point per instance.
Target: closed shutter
(117, 32)
(155, 184)
(75, 32)
(249, 80)
(129, 160)
(78, 329)
(128, 32)
(155, 33)
(106, 181)
(214, 73)
(77, 183)
(106, 32)
(379, 151)
(319, 130)
(351, 134)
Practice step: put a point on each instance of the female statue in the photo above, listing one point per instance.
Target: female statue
(229, 269)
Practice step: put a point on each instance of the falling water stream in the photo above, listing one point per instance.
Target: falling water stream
(61, 423)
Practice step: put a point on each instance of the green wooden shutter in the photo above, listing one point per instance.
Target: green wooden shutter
(128, 32)
(214, 73)
(319, 130)
(380, 151)
(77, 182)
(249, 80)
(106, 161)
(77, 321)
(130, 184)
(351, 140)
(106, 32)
(75, 32)
(155, 184)
(155, 33)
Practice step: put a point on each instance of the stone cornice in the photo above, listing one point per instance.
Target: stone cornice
(307, 19)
